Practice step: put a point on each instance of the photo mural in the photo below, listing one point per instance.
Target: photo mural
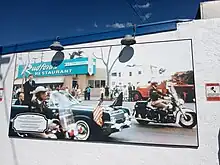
(138, 94)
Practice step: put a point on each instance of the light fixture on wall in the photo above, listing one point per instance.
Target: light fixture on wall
(56, 45)
(128, 40)
(127, 52)
(59, 55)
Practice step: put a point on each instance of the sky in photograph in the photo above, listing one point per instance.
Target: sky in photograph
(24, 21)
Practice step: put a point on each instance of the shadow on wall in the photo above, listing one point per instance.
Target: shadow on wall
(219, 146)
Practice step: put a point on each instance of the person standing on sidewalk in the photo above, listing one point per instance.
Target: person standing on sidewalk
(129, 92)
(106, 92)
(85, 93)
(88, 92)
(102, 91)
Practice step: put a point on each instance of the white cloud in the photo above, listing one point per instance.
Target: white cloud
(143, 6)
(120, 25)
(146, 16)
(95, 25)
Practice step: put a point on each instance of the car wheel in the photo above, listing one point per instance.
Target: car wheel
(136, 96)
(84, 130)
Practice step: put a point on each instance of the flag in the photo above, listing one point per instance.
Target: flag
(98, 113)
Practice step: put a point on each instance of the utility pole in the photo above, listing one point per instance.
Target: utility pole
(35, 58)
(42, 57)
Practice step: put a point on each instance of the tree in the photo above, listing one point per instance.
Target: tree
(108, 65)
(77, 53)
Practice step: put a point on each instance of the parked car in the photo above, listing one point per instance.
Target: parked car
(115, 117)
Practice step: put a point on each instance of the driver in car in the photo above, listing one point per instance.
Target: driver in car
(157, 98)
(40, 106)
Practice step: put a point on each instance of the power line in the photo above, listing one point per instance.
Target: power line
(139, 9)
(140, 17)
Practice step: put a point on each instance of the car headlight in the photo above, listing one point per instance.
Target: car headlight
(113, 120)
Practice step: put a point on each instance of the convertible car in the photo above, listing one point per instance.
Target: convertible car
(115, 117)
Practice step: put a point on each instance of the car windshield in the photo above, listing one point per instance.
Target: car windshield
(62, 99)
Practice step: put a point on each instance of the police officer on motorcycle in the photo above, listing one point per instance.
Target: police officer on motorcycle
(158, 99)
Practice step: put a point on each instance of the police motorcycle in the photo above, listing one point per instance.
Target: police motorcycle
(177, 113)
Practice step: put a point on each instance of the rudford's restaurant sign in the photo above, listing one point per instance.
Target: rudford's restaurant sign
(68, 67)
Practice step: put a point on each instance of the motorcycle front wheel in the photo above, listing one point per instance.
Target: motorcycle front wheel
(189, 122)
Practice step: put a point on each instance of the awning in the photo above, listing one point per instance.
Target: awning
(43, 80)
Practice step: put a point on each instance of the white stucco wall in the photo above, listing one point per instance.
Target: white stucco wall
(210, 9)
(206, 45)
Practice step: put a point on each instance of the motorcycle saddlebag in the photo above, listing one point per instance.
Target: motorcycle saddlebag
(141, 105)
(141, 108)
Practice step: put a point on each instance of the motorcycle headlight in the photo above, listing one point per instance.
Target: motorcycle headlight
(113, 120)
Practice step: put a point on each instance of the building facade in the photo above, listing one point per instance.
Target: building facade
(131, 74)
(71, 72)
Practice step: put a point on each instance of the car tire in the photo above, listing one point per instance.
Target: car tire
(136, 96)
(84, 130)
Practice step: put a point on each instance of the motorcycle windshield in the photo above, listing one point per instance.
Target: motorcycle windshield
(173, 92)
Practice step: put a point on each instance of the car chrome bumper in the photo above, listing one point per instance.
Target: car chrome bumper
(116, 127)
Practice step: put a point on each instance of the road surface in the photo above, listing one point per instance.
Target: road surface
(166, 134)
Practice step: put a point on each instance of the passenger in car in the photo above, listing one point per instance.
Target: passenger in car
(39, 102)
(20, 100)
(40, 106)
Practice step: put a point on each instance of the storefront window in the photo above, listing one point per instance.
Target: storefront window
(114, 74)
(97, 84)
(91, 83)
(103, 83)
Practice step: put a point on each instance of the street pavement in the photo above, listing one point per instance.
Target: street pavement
(165, 134)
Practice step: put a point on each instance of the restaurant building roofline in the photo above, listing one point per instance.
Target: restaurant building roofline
(143, 29)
